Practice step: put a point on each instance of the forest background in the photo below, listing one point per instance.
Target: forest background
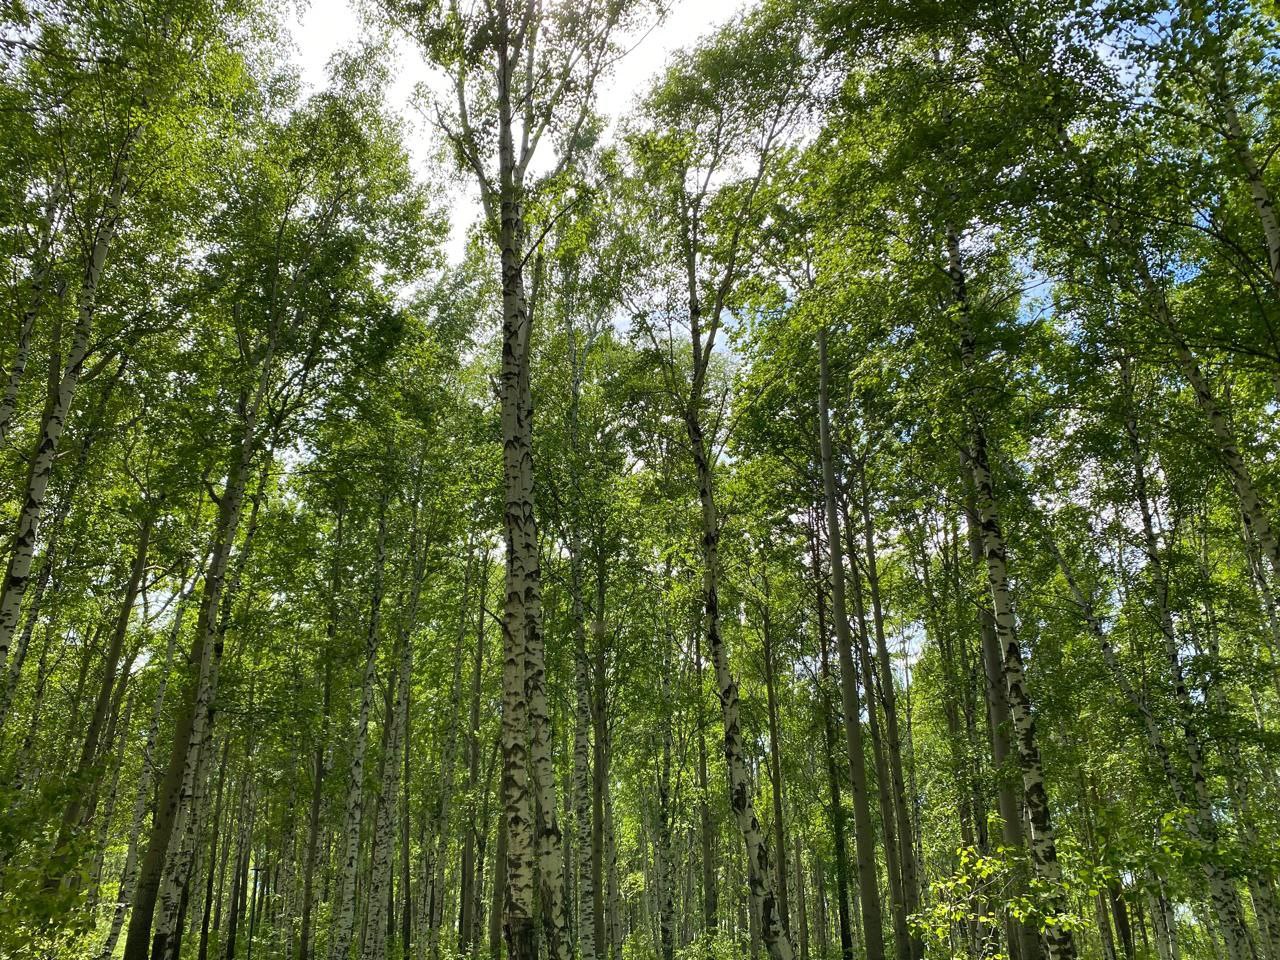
(614, 479)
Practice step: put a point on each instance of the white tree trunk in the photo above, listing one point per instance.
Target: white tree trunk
(1043, 841)
(53, 423)
(764, 904)
(41, 266)
(1242, 149)
(375, 940)
(348, 867)
(586, 927)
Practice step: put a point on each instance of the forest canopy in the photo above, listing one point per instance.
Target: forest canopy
(829, 509)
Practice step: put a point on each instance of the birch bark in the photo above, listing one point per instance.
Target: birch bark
(54, 420)
(764, 903)
(1242, 149)
(775, 759)
(42, 264)
(375, 941)
(345, 898)
(1044, 853)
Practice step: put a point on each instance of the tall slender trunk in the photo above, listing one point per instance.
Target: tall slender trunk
(179, 865)
(888, 817)
(113, 792)
(664, 854)
(522, 610)
(240, 873)
(41, 267)
(1023, 934)
(706, 827)
(662, 866)
(600, 780)
(1044, 852)
(775, 760)
(764, 903)
(582, 785)
(111, 660)
(474, 830)
(129, 874)
(322, 744)
(825, 684)
(313, 819)
(1242, 150)
(443, 807)
(384, 832)
(802, 910)
(893, 739)
(345, 905)
(497, 908)
(406, 882)
(40, 467)
(615, 918)
(864, 836)
(482, 846)
(549, 838)
(202, 950)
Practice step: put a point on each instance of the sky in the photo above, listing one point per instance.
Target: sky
(325, 26)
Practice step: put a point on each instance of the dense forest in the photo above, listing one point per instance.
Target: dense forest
(830, 510)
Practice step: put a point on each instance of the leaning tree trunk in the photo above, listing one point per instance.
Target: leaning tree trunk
(174, 841)
(1222, 889)
(1253, 510)
(1044, 850)
(864, 836)
(1022, 932)
(41, 268)
(48, 563)
(54, 421)
(1240, 147)
(111, 661)
(129, 874)
(195, 712)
